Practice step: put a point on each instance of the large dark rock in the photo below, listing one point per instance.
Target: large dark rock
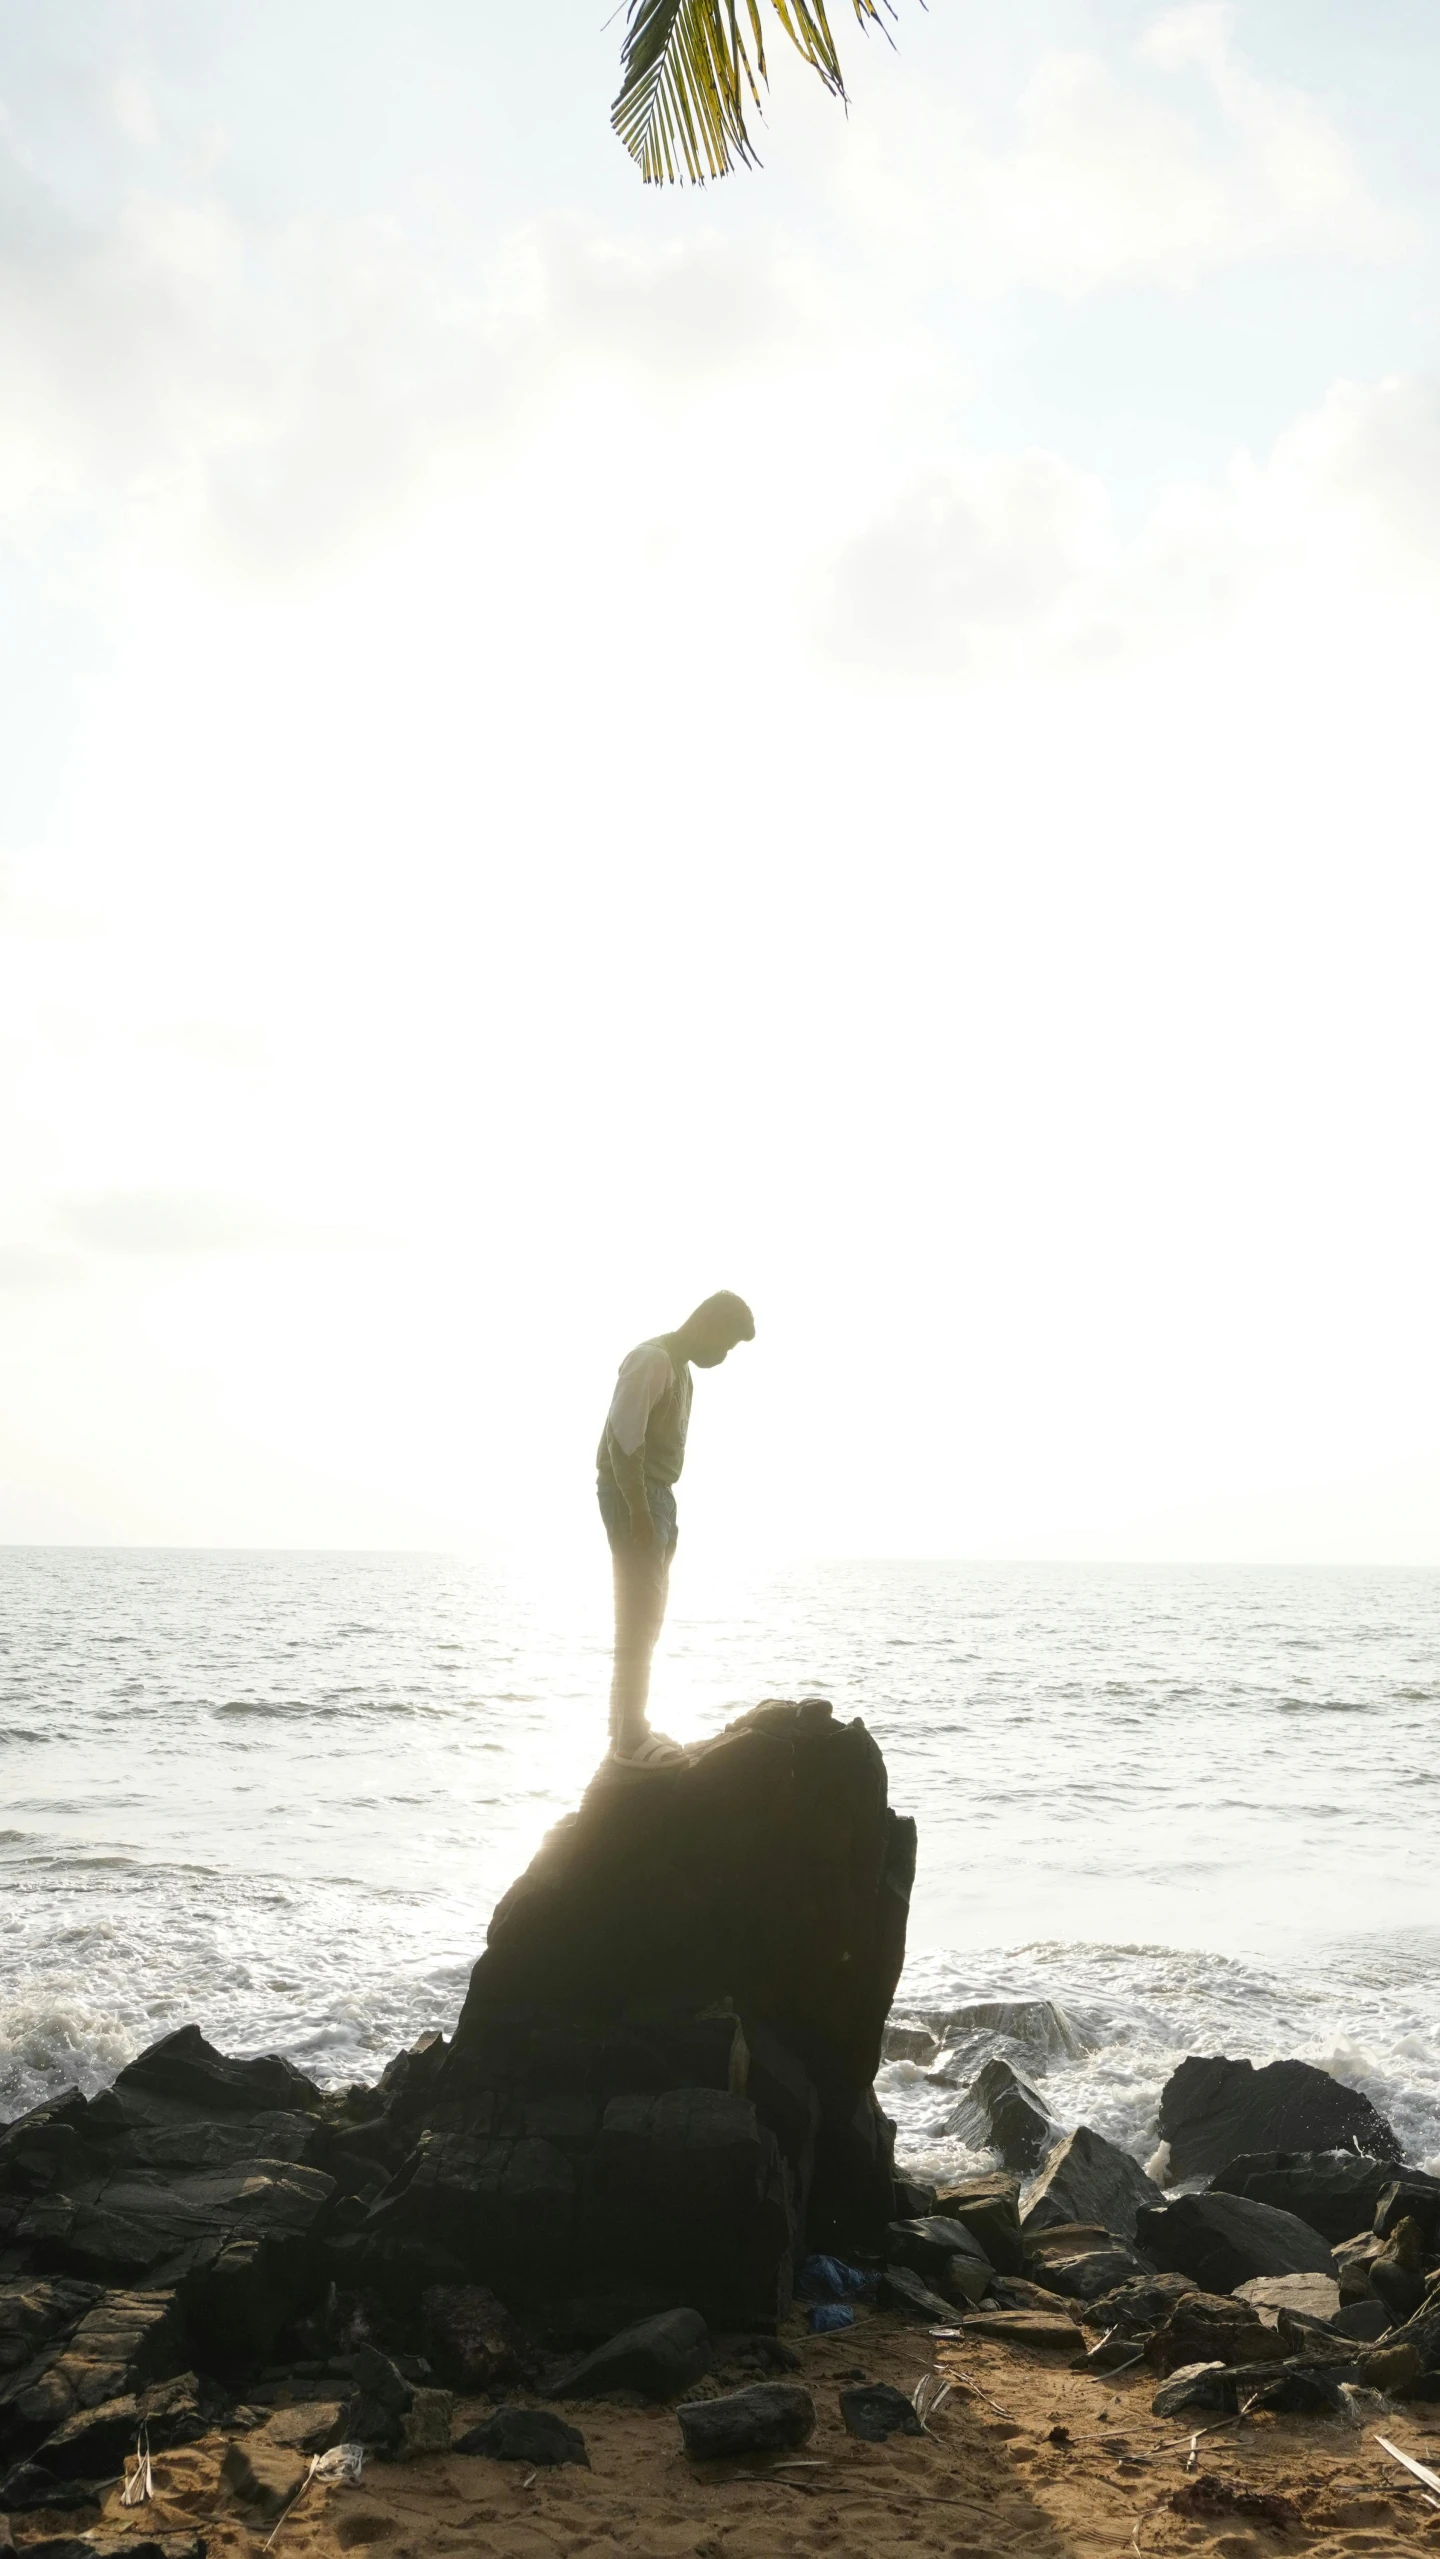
(532, 2435)
(1000, 2111)
(989, 2207)
(1087, 2179)
(943, 2253)
(1222, 2240)
(1213, 2111)
(657, 2359)
(768, 1878)
(1080, 2263)
(123, 2341)
(1336, 2191)
(1413, 2197)
(470, 2338)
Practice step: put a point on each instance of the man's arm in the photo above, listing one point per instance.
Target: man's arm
(640, 1387)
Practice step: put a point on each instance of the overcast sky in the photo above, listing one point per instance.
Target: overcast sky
(864, 735)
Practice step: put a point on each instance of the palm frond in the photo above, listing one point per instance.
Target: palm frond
(686, 69)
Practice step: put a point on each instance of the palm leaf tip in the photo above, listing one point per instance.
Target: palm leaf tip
(685, 69)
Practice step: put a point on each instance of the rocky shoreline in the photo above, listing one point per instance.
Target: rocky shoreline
(648, 2167)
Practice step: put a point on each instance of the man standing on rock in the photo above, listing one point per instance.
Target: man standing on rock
(642, 1449)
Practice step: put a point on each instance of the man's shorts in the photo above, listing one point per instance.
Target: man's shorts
(615, 1512)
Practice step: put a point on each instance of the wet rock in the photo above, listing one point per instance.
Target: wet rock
(1208, 2386)
(1413, 2197)
(532, 2435)
(874, 2411)
(943, 2253)
(772, 2416)
(1081, 2261)
(1000, 2111)
(989, 2207)
(183, 2074)
(1089, 2180)
(658, 2358)
(902, 2041)
(1223, 2240)
(470, 2338)
(1035, 2023)
(1336, 2191)
(902, 2289)
(1213, 2111)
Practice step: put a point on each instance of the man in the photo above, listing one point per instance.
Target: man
(642, 1449)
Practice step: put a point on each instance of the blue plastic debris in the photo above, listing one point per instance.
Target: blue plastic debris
(830, 2279)
(827, 2315)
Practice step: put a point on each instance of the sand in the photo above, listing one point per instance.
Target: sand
(990, 2477)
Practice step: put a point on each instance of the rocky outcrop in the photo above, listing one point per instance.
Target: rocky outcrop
(1224, 2240)
(1086, 2178)
(1336, 2191)
(1213, 2111)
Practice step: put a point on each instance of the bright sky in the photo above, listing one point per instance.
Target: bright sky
(865, 735)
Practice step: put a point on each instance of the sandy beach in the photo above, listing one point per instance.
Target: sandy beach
(1025, 2457)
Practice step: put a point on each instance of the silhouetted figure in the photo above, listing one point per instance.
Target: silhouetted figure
(642, 1449)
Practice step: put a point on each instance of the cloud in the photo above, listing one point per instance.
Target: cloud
(1157, 168)
(170, 1221)
(988, 564)
(281, 386)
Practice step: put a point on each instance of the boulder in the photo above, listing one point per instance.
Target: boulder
(1207, 2386)
(772, 2416)
(768, 1875)
(122, 2342)
(1083, 2264)
(1223, 2240)
(1413, 2197)
(1088, 2179)
(943, 2253)
(658, 2358)
(1213, 2111)
(902, 2289)
(1140, 2305)
(1336, 2191)
(1315, 2297)
(532, 2435)
(1000, 2111)
(989, 2207)
(1397, 2274)
(1203, 2327)
(470, 2338)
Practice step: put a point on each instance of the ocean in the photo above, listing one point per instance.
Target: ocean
(1193, 1808)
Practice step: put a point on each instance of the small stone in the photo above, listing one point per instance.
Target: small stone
(774, 2416)
(531, 2435)
(876, 2411)
(425, 2425)
(1195, 2386)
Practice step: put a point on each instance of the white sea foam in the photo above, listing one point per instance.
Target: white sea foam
(280, 1795)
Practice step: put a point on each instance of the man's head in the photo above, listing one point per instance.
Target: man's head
(715, 1328)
